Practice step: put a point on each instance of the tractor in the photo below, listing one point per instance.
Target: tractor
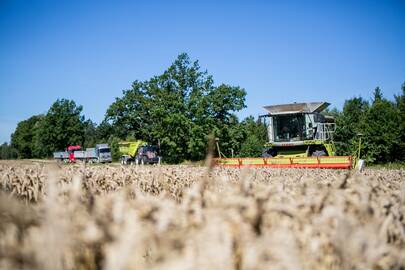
(139, 152)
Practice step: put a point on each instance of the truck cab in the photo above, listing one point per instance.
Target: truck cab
(103, 152)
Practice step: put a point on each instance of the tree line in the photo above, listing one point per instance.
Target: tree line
(380, 124)
(181, 108)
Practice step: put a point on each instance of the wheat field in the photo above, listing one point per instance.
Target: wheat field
(183, 217)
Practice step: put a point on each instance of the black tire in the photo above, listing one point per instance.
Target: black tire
(319, 153)
(268, 153)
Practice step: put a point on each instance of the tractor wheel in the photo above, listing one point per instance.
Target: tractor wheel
(319, 153)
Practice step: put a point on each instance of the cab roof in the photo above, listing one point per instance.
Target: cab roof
(294, 108)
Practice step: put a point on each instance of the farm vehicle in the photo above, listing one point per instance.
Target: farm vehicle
(101, 153)
(299, 136)
(299, 130)
(139, 152)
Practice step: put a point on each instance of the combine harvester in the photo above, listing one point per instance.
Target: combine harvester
(299, 136)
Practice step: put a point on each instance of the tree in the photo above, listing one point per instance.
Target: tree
(24, 139)
(377, 95)
(381, 130)
(63, 125)
(180, 108)
(103, 131)
(90, 133)
(349, 125)
(8, 152)
(400, 105)
(256, 136)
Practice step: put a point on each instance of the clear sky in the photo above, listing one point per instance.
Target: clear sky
(279, 51)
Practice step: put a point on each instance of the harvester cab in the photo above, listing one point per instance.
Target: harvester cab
(298, 130)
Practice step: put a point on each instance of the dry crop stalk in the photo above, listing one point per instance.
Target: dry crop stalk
(166, 217)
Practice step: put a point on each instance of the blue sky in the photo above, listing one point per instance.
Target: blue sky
(279, 51)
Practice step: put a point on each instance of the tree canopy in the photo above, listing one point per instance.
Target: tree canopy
(24, 137)
(180, 108)
(63, 125)
(379, 123)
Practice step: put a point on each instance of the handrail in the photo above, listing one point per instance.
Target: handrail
(325, 131)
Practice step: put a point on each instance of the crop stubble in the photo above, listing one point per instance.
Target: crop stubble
(184, 217)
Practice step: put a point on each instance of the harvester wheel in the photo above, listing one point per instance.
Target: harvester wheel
(319, 153)
(268, 153)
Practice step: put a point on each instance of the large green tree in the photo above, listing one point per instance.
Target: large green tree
(381, 130)
(349, 125)
(24, 137)
(180, 108)
(63, 125)
(379, 123)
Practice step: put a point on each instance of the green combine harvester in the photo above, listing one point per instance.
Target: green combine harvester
(299, 136)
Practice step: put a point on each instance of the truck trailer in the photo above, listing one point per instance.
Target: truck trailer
(101, 153)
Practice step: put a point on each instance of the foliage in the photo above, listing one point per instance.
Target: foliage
(113, 143)
(256, 135)
(90, 133)
(380, 123)
(381, 130)
(180, 108)
(24, 137)
(348, 125)
(63, 125)
(8, 152)
(103, 131)
(400, 105)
